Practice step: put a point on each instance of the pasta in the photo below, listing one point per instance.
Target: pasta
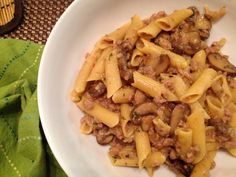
(98, 70)
(196, 123)
(157, 94)
(113, 80)
(154, 50)
(171, 21)
(200, 86)
(123, 95)
(151, 87)
(143, 147)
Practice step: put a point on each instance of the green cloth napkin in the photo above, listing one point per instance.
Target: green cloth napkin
(23, 149)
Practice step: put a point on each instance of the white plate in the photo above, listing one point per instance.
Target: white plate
(75, 33)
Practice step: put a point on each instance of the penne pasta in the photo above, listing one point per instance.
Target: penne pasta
(197, 106)
(123, 95)
(113, 80)
(131, 35)
(184, 138)
(98, 71)
(125, 110)
(107, 117)
(179, 86)
(196, 90)
(215, 107)
(136, 58)
(110, 39)
(154, 106)
(221, 88)
(152, 87)
(142, 146)
(150, 31)
(81, 81)
(163, 127)
(196, 123)
(150, 48)
(202, 168)
(125, 162)
(169, 22)
(155, 159)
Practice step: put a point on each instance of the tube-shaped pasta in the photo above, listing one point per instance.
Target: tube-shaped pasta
(125, 162)
(98, 71)
(152, 87)
(179, 86)
(123, 95)
(85, 128)
(232, 152)
(199, 86)
(233, 93)
(143, 146)
(155, 159)
(110, 39)
(136, 58)
(125, 110)
(184, 137)
(160, 125)
(154, 50)
(106, 116)
(81, 80)
(113, 80)
(214, 106)
(150, 31)
(169, 22)
(200, 58)
(221, 87)
(131, 35)
(150, 171)
(198, 62)
(196, 123)
(197, 106)
(203, 167)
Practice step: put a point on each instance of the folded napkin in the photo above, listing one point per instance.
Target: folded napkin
(23, 149)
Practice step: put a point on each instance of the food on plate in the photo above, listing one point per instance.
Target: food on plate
(156, 93)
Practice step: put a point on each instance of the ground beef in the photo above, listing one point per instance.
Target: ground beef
(109, 104)
(96, 89)
(164, 40)
(88, 104)
(147, 71)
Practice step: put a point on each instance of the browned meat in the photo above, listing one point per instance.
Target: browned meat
(147, 71)
(109, 104)
(232, 83)
(88, 104)
(117, 131)
(164, 40)
(191, 154)
(96, 89)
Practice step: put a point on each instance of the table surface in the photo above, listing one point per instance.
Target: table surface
(39, 17)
